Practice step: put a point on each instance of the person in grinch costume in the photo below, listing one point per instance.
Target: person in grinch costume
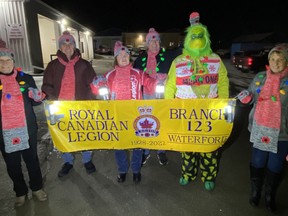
(197, 73)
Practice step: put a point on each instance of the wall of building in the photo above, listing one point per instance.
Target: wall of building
(105, 41)
(138, 39)
(13, 31)
(37, 27)
(108, 37)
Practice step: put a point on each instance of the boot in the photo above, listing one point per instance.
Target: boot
(272, 183)
(256, 176)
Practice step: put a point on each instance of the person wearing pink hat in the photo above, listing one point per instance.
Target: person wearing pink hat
(125, 83)
(268, 93)
(68, 78)
(18, 134)
(155, 61)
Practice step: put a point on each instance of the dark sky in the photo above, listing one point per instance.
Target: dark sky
(225, 21)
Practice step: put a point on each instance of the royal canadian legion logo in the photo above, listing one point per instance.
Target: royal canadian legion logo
(146, 125)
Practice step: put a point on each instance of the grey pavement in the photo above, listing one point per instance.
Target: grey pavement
(159, 193)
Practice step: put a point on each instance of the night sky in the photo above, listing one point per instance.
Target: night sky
(225, 21)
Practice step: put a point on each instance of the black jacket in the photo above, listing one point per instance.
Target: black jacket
(164, 60)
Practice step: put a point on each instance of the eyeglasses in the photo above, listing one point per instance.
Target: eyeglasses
(2, 61)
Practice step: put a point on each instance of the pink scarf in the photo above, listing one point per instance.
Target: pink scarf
(67, 91)
(15, 132)
(151, 64)
(268, 108)
(122, 83)
(267, 117)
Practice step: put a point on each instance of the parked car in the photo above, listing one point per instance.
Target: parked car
(136, 51)
(103, 50)
(129, 47)
(251, 60)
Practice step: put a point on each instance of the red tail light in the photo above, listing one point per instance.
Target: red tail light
(250, 61)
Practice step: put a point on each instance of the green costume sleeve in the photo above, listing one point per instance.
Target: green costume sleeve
(223, 82)
(170, 86)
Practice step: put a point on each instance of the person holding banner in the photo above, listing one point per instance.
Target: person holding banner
(18, 134)
(198, 73)
(68, 78)
(156, 62)
(125, 83)
(268, 92)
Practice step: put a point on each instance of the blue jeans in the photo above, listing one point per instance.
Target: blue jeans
(69, 157)
(148, 97)
(122, 160)
(274, 161)
(147, 151)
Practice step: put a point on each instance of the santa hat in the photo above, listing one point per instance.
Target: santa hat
(7, 52)
(152, 34)
(282, 48)
(66, 37)
(119, 47)
(194, 18)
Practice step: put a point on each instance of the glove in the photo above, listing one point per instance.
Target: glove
(36, 94)
(98, 82)
(244, 96)
(161, 77)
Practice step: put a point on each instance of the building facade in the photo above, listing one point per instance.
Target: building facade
(107, 38)
(31, 28)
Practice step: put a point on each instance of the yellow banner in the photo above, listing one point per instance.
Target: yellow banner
(199, 125)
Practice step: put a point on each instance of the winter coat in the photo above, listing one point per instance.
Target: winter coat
(164, 59)
(254, 87)
(53, 74)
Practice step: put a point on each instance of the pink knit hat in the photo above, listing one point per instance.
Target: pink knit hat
(152, 35)
(119, 47)
(2, 43)
(66, 37)
(194, 18)
(7, 52)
